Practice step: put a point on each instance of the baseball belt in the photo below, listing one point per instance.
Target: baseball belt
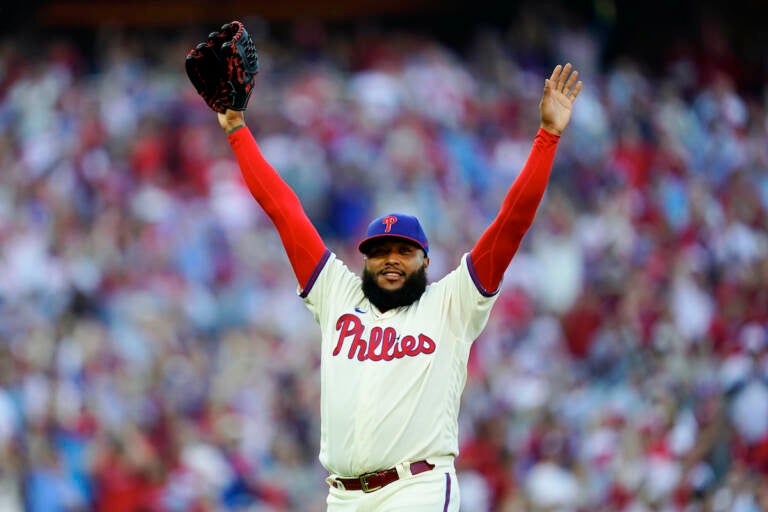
(370, 482)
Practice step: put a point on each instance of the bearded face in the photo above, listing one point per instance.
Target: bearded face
(394, 272)
(386, 299)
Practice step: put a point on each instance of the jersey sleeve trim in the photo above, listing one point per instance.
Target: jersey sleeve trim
(315, 273)
(476, 279)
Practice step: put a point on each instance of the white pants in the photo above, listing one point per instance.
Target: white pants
(432, 491)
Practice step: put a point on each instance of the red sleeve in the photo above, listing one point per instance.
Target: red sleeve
(306, 250)
(492, 253)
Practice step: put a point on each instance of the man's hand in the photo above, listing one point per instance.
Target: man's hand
(230, 120)
(560, 91)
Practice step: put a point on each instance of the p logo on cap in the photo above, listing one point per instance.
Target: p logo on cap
(388, 221)
(398, 225)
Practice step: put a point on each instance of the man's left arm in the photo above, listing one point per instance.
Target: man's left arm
(493, 252)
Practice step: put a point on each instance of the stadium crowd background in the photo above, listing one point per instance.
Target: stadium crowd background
(154, 355)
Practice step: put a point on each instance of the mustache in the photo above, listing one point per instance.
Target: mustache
(406, 295)
(391, 269)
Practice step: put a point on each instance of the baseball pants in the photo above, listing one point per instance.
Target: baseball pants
(432, 491)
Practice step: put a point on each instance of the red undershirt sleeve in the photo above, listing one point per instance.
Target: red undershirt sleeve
(305, 249)
(493, 252)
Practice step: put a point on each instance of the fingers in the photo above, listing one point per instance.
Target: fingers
(564, 79)
(561, 79)
(569, 83)
(555, 74)
(576, 90)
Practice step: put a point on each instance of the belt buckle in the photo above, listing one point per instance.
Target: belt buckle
(364, 483)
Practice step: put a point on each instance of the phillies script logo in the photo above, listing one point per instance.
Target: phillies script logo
(384, 344)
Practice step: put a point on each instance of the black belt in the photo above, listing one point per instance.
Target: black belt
(370, 482)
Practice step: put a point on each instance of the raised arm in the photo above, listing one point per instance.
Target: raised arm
(222, 69)
(303, 245)
(493, 252)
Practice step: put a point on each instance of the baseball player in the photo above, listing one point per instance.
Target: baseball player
(394, 348)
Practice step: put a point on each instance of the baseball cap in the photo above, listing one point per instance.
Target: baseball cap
(397, 225)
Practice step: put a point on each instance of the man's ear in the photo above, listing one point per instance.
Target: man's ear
(426, 262)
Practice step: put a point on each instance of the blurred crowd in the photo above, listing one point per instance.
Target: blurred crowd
(154, 355)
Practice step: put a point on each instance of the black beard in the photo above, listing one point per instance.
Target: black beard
(406, 295)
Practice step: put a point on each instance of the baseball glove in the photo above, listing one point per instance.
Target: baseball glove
(223, 68)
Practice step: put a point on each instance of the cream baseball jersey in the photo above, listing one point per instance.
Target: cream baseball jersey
(392, 382)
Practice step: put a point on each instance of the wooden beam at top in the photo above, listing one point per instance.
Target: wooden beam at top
(148, 13)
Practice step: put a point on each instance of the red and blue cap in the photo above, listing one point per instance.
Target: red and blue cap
(396, 225)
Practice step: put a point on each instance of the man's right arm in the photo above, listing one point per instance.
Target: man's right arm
(303, 245)
(493, 252)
